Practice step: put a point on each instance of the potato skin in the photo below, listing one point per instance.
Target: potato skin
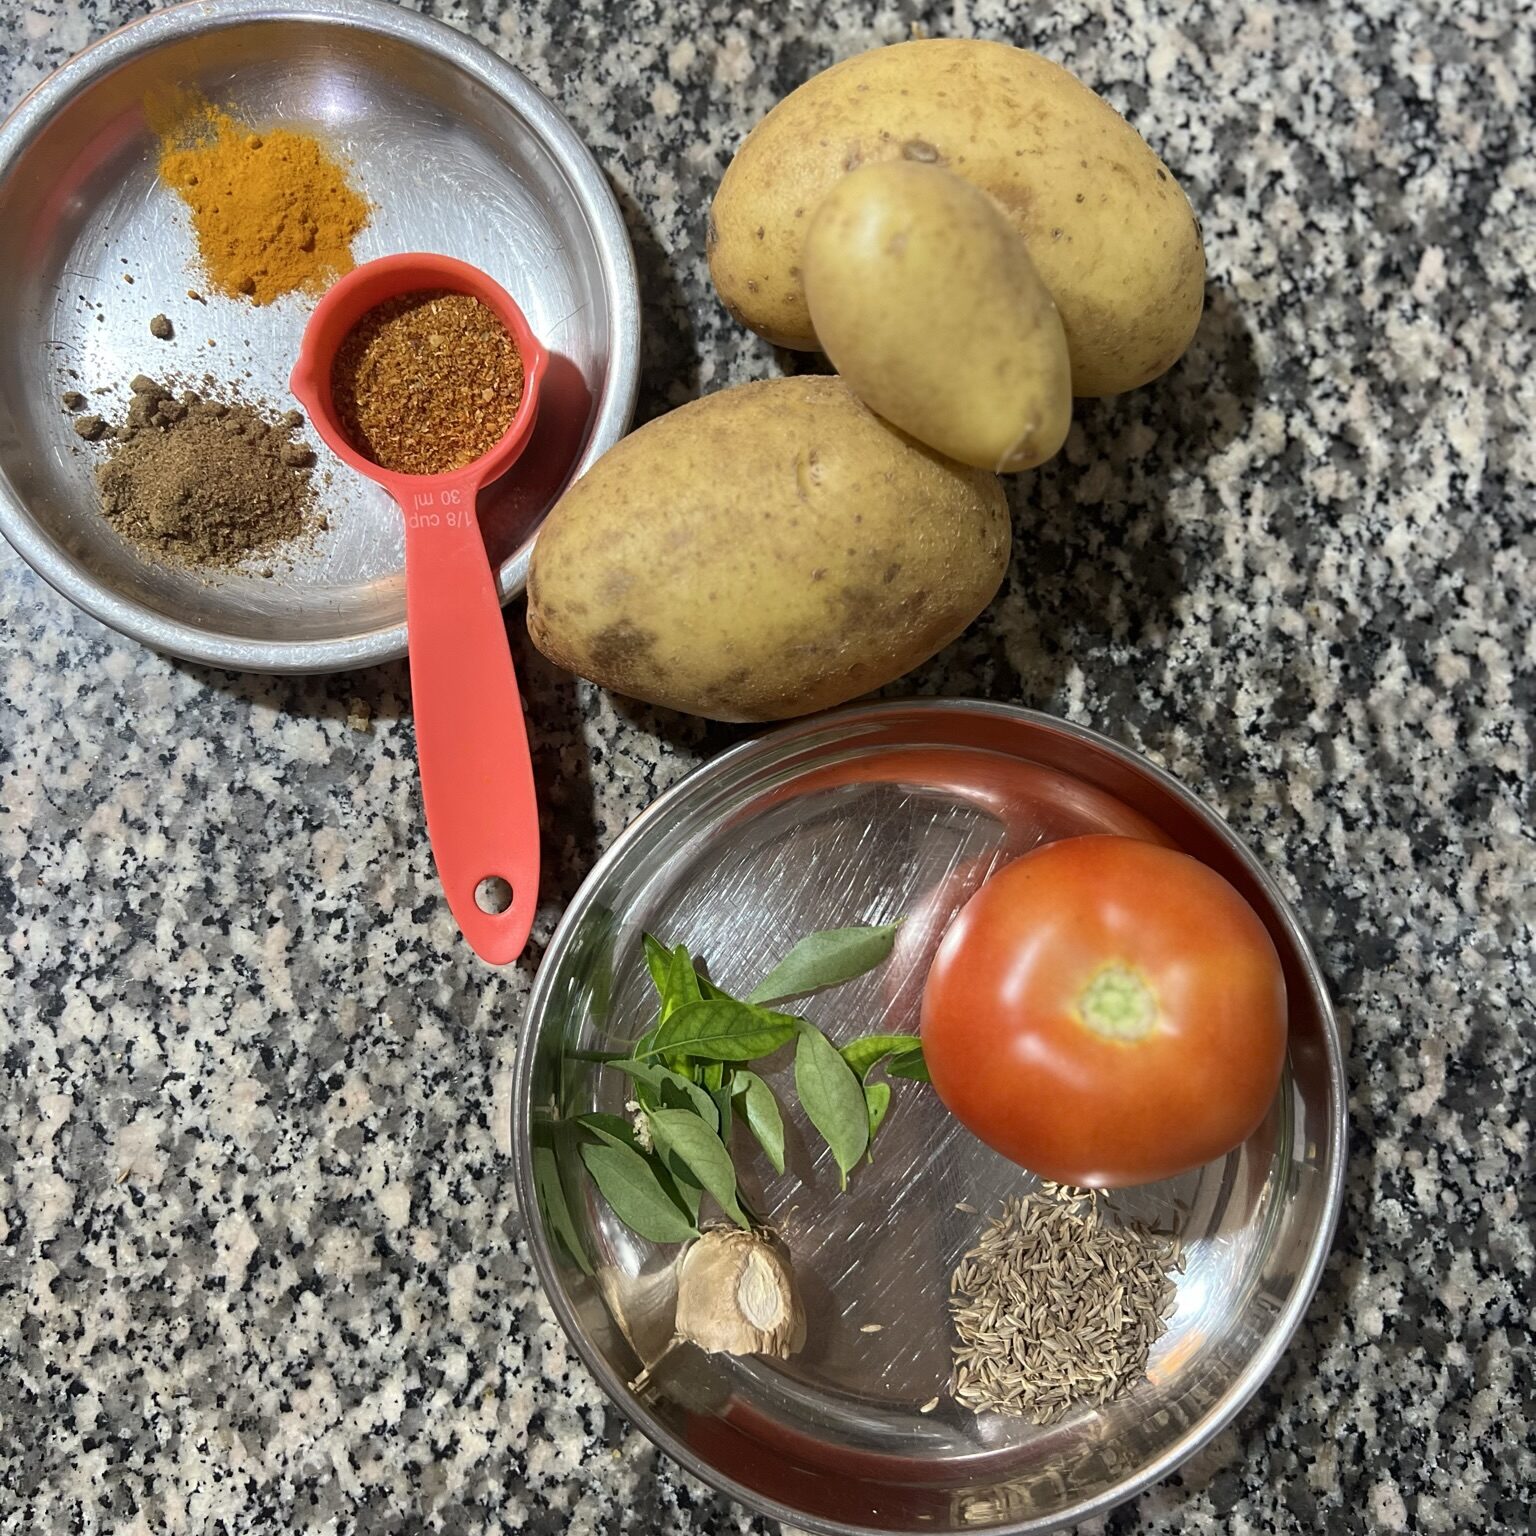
(924, 297)
(764, 552)
(1109, 230)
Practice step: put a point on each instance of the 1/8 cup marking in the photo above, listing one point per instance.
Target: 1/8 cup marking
(423, 511)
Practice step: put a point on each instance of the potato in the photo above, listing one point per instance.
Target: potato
(764, 552)
(1111, 234)
(924, 297)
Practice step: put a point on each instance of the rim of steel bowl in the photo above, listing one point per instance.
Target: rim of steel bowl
(778, 743)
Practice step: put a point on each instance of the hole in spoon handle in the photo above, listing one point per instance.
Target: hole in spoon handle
(493, 894)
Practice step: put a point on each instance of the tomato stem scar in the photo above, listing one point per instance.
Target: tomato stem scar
(1117, 1004)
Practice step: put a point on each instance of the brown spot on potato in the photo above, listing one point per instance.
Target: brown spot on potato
(921, 151)
(1162, 175)
(1015, 198)
(621, 647)
(1081, 197)
(761, 231)
(891, 572)
(751, 285)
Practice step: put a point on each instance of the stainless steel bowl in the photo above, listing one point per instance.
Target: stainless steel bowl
(460, 154)
(861, 816)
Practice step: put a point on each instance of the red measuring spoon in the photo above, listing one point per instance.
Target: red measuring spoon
(471, 742)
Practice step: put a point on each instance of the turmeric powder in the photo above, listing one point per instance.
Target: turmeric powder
(272, 210)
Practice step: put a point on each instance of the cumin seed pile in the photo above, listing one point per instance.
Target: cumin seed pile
(1057, 1306)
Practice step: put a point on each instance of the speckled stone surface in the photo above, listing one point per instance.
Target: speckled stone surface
(261, 1270)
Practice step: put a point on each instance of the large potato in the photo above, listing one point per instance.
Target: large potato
(1109, 230)
(764, 552)
(924, 297)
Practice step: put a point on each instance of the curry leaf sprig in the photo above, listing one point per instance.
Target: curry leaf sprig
(691, 1081)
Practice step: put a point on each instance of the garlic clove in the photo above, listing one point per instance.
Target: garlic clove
(736, 1295)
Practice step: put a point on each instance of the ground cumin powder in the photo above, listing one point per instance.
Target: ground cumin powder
(200, 482)
(273, 212)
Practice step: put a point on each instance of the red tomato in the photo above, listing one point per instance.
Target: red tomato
(1106, 1012)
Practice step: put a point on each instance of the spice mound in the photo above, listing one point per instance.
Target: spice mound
(427, 382)
(197, 482)
(1057, 1306)
(273, 211)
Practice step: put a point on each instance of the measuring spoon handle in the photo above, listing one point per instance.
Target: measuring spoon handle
(471, 739)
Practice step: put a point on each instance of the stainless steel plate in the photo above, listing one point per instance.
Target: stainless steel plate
(460, 154)
(863, 816)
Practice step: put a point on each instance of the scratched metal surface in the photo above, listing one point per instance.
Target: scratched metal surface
(737, 873)
(82, 213)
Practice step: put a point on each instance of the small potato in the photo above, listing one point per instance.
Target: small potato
(924, 297)
(1108, 228)
(764, 552)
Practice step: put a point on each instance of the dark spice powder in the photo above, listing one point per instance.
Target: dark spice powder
(427, 382)
(198, 482)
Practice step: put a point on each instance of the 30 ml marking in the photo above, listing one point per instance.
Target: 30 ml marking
(425, 513)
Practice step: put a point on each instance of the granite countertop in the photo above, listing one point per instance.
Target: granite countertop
(261, 1268)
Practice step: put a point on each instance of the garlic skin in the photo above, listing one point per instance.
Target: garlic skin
(736, 1295)
(642, 1306)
